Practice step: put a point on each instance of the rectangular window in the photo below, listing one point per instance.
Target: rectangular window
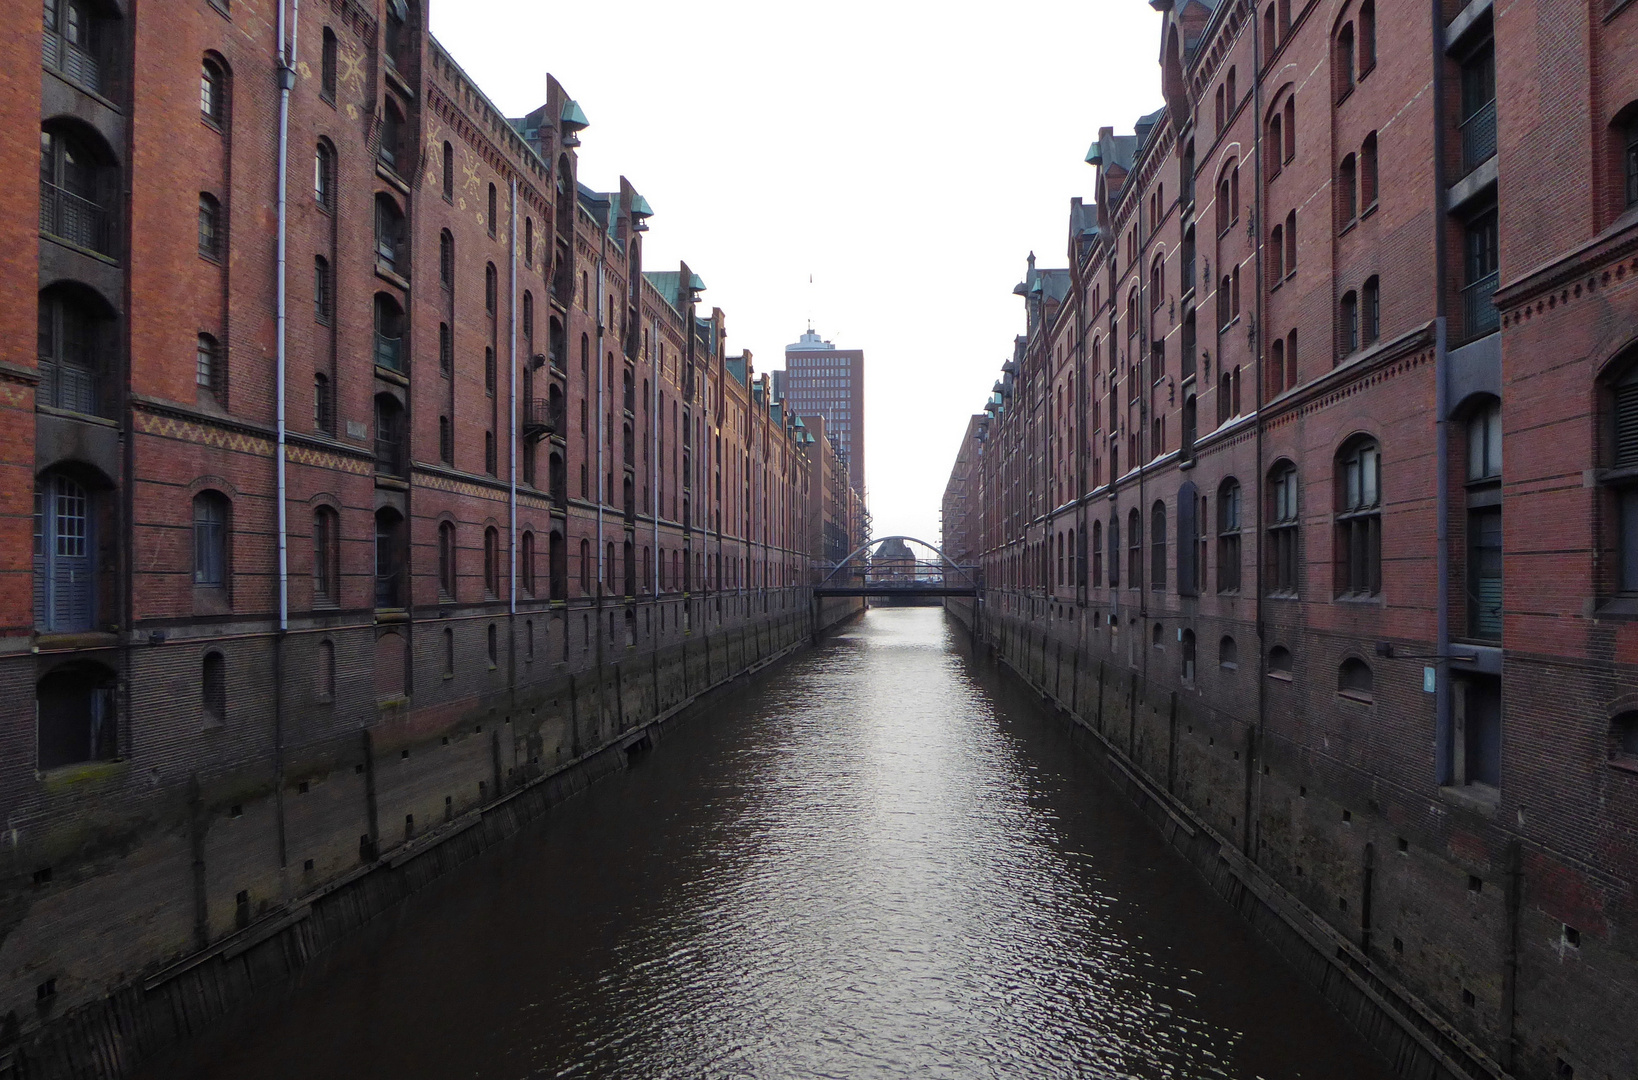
(1484, 573)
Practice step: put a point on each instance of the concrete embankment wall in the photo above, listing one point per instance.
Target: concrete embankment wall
(367, 820)
(1195, 772)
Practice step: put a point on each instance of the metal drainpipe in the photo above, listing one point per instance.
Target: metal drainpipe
(1444, 745)
(512, 420)
(602, 494)
(287, 80)
(654, 449)
(1254, 796)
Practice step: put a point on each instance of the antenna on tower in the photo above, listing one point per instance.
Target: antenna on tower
(810, 302)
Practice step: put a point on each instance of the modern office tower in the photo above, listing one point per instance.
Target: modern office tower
(822, 380)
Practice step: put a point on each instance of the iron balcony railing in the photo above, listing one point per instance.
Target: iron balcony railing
(1479, 314)
(389, 589)
(75, 218)
(1479, 137)
(542, 417)
(389, 352)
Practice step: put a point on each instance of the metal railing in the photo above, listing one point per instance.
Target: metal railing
(1479, 314)
(542, 416)
(1479, 137)
(75, 218)
(389, 589)
(389, 352)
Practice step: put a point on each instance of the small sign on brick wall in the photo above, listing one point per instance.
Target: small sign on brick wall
(355, 429)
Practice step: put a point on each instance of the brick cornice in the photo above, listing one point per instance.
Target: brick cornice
(15, 373)
(1596, 262)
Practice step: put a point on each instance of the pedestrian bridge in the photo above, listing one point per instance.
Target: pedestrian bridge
(889, 567)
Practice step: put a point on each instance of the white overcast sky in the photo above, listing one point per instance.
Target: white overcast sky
(909, 155)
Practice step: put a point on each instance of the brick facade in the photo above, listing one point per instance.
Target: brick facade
(1247, 454)
(520, 467)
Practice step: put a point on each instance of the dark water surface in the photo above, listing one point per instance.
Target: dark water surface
(875, 861)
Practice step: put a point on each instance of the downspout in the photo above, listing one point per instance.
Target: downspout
(287, 81)
(1444, 746)
(602, 493)
(654, 463)
(512, 422)
(1254, 790)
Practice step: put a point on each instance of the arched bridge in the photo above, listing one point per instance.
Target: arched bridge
(888, 567)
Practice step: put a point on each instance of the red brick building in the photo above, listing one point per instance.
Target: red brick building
(1308, 488)
(306, 483)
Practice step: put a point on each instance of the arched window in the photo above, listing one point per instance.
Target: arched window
(1276, 367)
(446, 259)
(1228, 654)
(526, 562)
(324, 176)
(491, 289)
(1291, 242)
(1367, 37)
(210, 226)
(1370, 315)
(66, 567)
(1276, 139)
(390, 251)
(1359, 519)
(1279, 662)
(78, 721)
(1348, 325)
(326, 557)
(447, 554)
(494, 209)
(1282, 530)
(213, 687)
(210, 540)
(1343, 61)
(75, 346)
(324, 404)
(1134, 550)
(491, 562)
(1060, 569)
(1354, 679)
(585, 567)
(529, 242)
(328, 65)
(1291, 360)
(449, 173)
(1157, 546)
(1290, 127)
(1188, 655)
(1097, 554)
(79, 184)
(212, 92)
(446, 350)
(1347, 192)
(1276, 255)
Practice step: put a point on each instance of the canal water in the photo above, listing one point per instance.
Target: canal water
(876, 860)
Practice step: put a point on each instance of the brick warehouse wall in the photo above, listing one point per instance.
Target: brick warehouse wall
(592, 513)
(1483, 919)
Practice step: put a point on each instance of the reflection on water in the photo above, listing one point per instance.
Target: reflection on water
(877, 861)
